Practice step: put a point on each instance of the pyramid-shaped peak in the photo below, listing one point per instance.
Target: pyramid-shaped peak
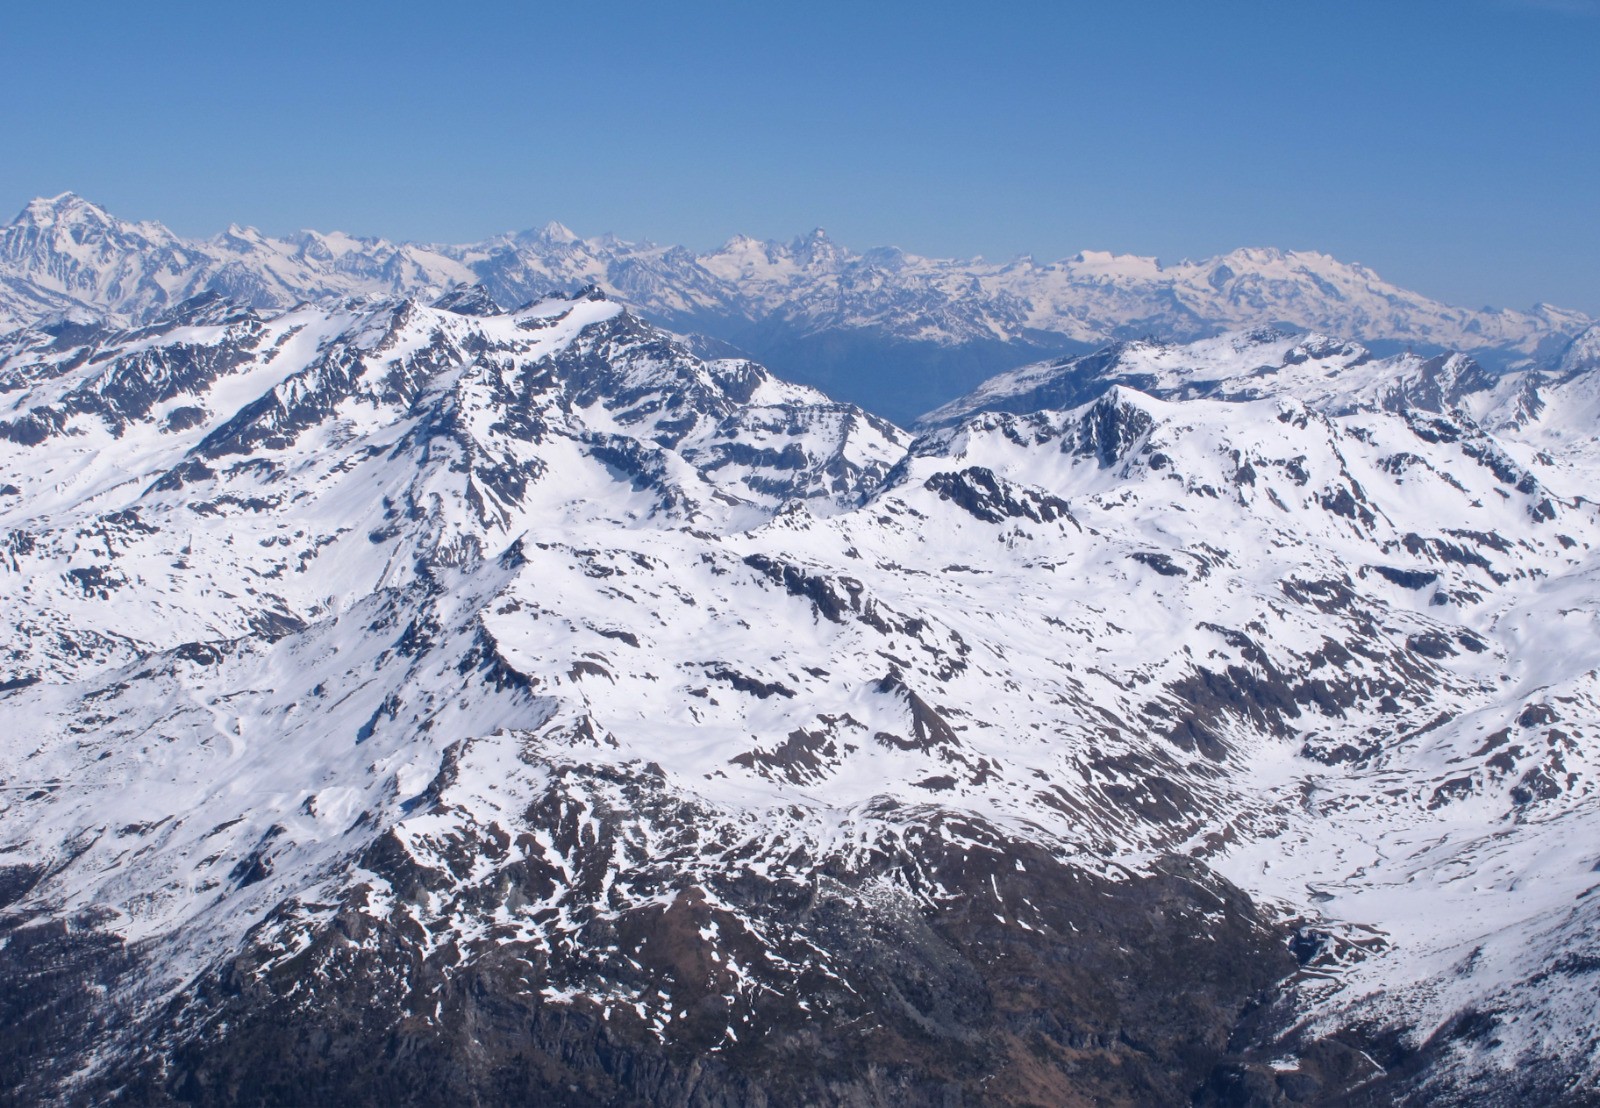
(557, 232)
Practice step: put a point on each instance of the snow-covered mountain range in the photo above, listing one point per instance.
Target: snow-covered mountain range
(884, 328)
(1330, 374)
(414, 701)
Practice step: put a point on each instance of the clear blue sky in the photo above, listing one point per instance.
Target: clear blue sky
(1453, 145)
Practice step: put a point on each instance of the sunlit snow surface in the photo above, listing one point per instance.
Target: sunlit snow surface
(276, 586)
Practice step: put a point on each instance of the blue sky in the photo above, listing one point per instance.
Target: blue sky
(1453, 145)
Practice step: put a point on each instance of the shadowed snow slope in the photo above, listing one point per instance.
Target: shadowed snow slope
(420, 702)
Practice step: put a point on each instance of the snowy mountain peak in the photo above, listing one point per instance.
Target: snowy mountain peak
(66, 208)
(1106, 263)
(1256, 255)
(817, 249)
(242, 235)
(555, 233)
(67, 223)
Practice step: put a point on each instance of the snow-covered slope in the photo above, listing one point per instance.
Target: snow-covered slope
(420, 702)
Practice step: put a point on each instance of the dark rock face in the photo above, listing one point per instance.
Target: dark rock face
(1372, 1068)
(53, 979)
(133, 384)
(1110, 429)
(992, 500)
(1023, 980)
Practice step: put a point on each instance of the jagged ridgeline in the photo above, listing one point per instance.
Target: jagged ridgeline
(419, 702)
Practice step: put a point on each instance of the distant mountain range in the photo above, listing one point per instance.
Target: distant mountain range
(1335, 375)
(889, 330)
